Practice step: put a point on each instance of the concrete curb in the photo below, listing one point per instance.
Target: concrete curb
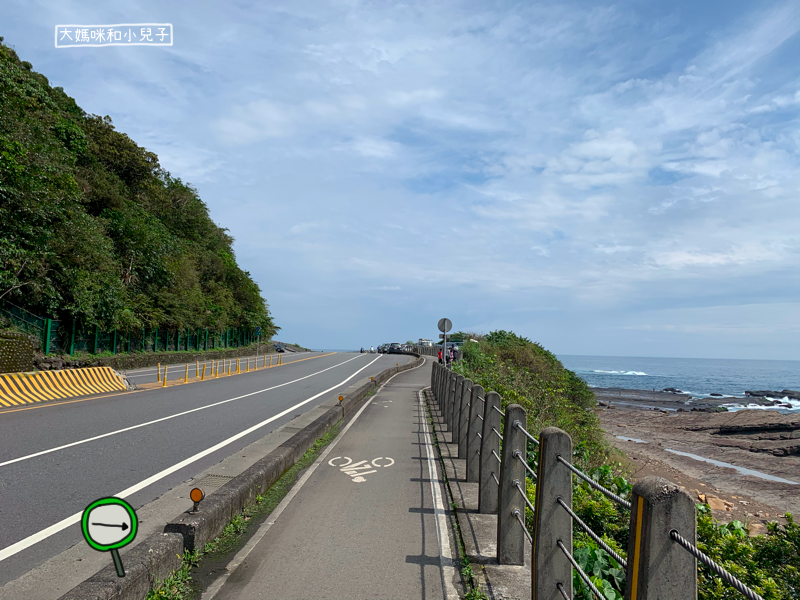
(148, 563)
(159, 555)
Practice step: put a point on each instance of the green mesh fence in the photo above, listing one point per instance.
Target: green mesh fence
(64, 337)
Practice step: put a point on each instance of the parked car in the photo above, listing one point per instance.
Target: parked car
(395, 348)
(280, 348)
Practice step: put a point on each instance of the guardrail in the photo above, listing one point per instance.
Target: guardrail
(662, 550)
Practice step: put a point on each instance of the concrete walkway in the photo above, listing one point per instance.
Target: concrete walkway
(368, 519)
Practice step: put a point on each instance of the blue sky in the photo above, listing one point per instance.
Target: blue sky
(604, 178)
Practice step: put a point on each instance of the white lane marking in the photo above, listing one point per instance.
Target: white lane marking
(180, 414)
(442, 526)
(242, 555)
(356, 470)
(64, 523)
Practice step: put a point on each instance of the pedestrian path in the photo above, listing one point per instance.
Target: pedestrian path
(367, 520)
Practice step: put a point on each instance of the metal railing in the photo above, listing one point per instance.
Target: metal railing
(661, 562)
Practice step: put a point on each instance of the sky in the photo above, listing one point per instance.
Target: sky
(604, 178)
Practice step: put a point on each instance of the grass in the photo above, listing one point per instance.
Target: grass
(179, 585)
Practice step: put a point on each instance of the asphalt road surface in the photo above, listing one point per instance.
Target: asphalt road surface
(368, 522)
(58, 457)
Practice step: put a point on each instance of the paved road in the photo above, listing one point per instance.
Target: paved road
(367, 522)
(148, 442)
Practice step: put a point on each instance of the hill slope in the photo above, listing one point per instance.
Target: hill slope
(93, 229)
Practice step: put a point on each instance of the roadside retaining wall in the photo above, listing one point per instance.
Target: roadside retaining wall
(193, 530)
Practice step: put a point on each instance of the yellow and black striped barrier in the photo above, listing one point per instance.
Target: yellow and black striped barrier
(41, 386)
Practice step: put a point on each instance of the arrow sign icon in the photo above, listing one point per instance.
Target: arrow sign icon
(115, 527)
(124, 526)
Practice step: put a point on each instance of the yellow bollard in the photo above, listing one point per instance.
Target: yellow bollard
(215, 366)
(203, 376)
(270, 360)
(159, 371)
(196, 368)
(164, 381)
(229, 366)
(265, 361)
(247, 370)
(186, 374)
(238, 370)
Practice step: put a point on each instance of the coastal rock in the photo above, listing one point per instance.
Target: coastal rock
(715, 394)
(793, 394)
(673, 390)
(715, 503)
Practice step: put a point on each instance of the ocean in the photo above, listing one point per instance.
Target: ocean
(699, 377)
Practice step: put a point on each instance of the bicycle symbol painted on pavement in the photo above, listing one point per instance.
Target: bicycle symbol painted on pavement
(356, 471)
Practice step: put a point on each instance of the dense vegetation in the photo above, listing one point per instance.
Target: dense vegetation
(93, 229)
(525, 373)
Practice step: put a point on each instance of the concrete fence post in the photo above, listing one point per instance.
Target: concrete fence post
(440, 388)
(658, 568)
(455, 416)
(450, 390)
(510, 536)
(473, 440)
(443, 383)
(552, 523)
(463, 417)
(433, 378)
(490, 467)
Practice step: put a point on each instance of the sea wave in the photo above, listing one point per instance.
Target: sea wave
(619, 372)
(795, 406)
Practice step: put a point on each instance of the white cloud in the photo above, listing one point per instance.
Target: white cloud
(254, 121)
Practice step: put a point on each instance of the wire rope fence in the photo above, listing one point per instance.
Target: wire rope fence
(662, 554)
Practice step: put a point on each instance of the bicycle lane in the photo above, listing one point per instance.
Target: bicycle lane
(367, 520)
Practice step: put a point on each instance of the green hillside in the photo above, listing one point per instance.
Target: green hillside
(94, 231)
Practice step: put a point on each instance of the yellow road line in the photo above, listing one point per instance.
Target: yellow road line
(54, 404)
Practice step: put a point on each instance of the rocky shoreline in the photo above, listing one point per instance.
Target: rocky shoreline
(750, 457)
(674, 400)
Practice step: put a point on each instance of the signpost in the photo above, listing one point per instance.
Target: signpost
(110, 524)
(444, 326)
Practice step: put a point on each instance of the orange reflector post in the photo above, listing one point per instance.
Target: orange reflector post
(341, 398)
(196, 496)
(164, 381)
(159, 371)
(203, 377)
